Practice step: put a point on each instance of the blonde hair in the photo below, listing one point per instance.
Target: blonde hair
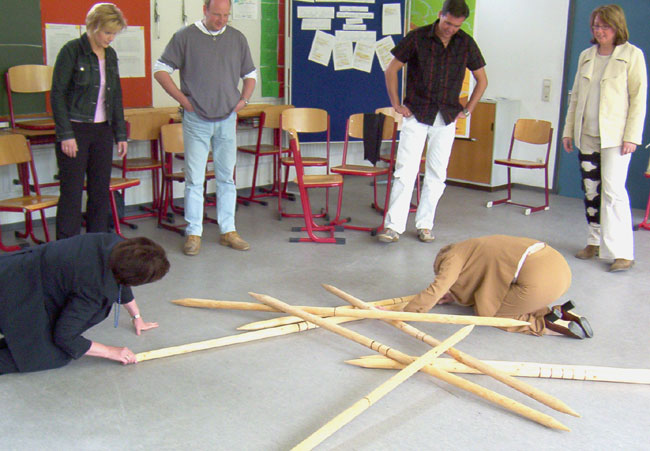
(613, 16)
(105, 16)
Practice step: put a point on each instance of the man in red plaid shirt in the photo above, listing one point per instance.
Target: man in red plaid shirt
(437, 56)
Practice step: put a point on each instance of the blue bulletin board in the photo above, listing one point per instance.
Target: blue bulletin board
(339, 92)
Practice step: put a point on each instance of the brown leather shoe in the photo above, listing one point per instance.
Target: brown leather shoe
(233, 240)
(620, 264)
(588, 252)
(192, 245)
(553, 321)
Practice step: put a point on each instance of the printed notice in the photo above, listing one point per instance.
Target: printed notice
(391, 22)
(321, 48)
(383, 48)
(129, 45)
(315, 12)
(343, 55)
(316, 24)
(244, 9)
(56, 36)
(364, 53)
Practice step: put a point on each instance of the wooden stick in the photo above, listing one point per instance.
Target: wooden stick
(392, 353)
(236, 305)
(526, 369)
(284, 320)
(403, 316)
(230, 340)
(468, 360)
(364, 403)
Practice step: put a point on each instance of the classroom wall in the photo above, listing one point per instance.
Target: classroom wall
(523, 44)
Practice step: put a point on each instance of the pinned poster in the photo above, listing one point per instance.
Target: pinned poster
(383, 48)
(321, 48)
(391, 19)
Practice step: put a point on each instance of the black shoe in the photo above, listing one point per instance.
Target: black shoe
(569, 314)
(554, 322)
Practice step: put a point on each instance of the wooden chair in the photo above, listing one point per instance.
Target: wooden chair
(304, 120)
(171, 144)
(145, 126)
(354, 129)
(390, 111)
(14, 149)
(29, 79)
(306, 183)
(540, 134)
(269, 120)
(645, 224)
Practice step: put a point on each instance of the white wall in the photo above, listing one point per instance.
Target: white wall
(523, 43)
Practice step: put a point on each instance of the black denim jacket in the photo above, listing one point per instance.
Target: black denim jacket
(75, 89)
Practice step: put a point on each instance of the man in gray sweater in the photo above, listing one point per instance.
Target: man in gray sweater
(211, 57)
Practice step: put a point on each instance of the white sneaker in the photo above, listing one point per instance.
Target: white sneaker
(425, 235)
(388, 236)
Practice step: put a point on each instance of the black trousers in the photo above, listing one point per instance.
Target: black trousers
(7, 364)
(92, 162)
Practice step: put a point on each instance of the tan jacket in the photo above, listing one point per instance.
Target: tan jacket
(477, 272)
(623, 91)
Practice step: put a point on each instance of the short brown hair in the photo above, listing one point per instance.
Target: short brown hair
(613, 16)
(137, 261)
(457, 8)
(105, 16)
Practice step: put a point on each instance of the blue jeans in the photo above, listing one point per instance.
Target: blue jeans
(199, 135)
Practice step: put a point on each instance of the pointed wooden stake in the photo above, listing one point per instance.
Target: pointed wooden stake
(284, 320)
(230, 340)
(364, 403)
(468, 360)
(525, 369)
(459, 382)
(383, 314)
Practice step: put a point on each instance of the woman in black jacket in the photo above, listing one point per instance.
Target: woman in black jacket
(51, 294)
(87, 106)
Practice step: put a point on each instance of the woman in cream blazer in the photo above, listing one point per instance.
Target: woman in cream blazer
(605, 119)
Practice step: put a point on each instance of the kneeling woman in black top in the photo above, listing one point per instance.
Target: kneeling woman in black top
(51, 294)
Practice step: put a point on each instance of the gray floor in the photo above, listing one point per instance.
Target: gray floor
(271, 394)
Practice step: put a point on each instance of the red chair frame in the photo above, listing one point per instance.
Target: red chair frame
(307, 182)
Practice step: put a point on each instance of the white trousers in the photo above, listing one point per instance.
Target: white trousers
(614, 234)
(407, 167)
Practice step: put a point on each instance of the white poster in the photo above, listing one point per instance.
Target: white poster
(321, 48)
(244, 9)
(56, 36)
(129, 45)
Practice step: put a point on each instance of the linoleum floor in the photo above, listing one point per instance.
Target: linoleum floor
(273, 393)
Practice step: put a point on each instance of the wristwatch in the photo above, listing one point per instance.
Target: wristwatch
(245, 100)
(135, 317)
(466, 112)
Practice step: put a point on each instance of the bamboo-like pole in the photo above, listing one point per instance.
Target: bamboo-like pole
(392, 353)
(525, 369)
(468, 360)
(284, 320)
(404, 316)
(364, 403)
(230, 340)
(237, 305)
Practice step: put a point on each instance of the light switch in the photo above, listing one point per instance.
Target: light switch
(546, 90)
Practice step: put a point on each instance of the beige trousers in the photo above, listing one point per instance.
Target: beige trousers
(544, 277)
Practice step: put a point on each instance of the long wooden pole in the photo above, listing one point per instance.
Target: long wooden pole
(392, 353)
(468, 360)
(406, 316)
(284, 320)
(371, 398)
(230, 340)
(526, 369)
